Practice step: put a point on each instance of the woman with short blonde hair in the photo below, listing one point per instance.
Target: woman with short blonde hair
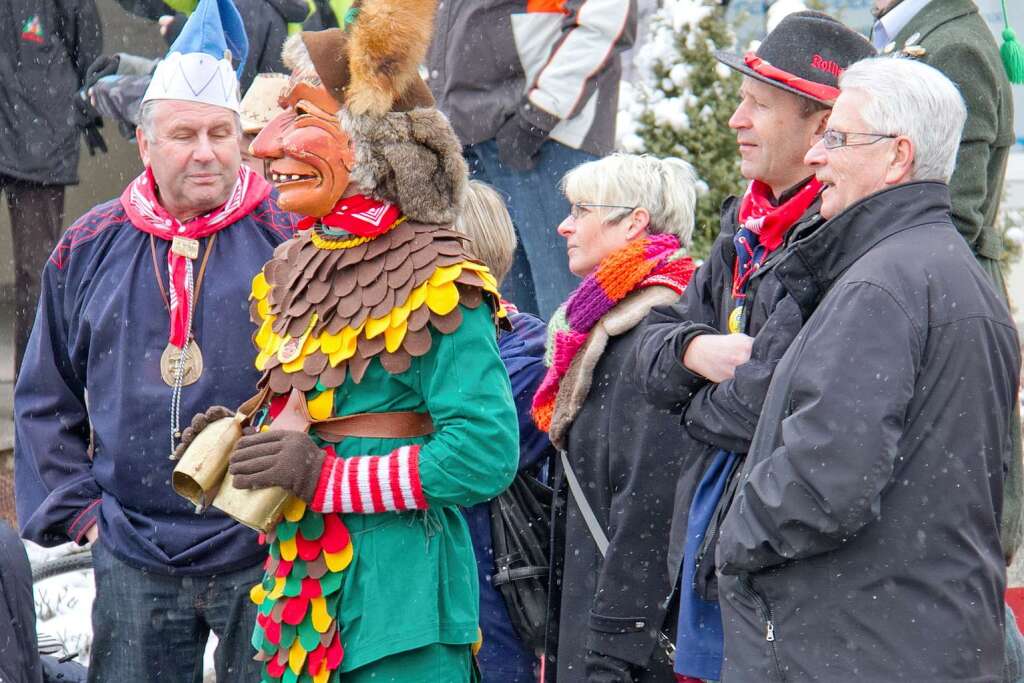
(665, 188)
(626, 236)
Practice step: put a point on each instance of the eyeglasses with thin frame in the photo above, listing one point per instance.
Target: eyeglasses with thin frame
(579, 209)
(834, 139)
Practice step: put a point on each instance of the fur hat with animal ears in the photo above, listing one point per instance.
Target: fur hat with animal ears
(406, 150)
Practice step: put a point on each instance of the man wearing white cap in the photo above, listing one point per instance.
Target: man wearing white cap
(139, 323)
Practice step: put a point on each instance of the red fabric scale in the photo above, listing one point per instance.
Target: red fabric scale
(335, 536)
(276, 668)
(283, 568)
(334, 653)
(310, 589)
(272, 631)
(306, 550)
(277, 404)
(314, 658)
(294, 610)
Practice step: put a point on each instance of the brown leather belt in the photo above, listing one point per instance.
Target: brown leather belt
(380, 425)
(295, 414)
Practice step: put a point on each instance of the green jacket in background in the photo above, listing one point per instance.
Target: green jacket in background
(958, 42)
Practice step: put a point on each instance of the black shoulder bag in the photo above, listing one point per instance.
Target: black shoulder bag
(520, 537)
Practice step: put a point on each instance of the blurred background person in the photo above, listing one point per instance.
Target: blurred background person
(504, 658)
(46, 47)
(267, 24)
(19, 648)
(259, 106)
(531, 89)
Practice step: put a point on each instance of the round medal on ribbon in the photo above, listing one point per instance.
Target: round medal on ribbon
(736, 320)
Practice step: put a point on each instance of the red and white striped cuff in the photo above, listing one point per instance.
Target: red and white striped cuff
(371, 483)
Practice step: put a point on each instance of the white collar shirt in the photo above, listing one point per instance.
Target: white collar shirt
(889, 26)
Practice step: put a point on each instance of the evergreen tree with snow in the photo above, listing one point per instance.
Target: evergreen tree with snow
(681, 103)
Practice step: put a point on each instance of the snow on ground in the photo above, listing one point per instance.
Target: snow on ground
(64, 606)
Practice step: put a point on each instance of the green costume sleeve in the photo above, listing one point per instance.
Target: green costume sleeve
(474, 451)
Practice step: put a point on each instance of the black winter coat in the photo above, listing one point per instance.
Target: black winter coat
(626, 456)
(863, 542)
(717, 416)
(46, 46)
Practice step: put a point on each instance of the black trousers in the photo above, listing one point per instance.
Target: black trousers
(19, 655)
(37, 213)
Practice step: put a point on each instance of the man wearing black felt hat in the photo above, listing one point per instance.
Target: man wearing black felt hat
(713, 353)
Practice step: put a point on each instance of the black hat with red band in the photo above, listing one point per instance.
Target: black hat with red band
(804, 55)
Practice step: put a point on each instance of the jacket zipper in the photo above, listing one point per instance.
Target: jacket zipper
(765, 612)
(762, 607)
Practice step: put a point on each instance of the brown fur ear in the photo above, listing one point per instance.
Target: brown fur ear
(412, 159)
(389, 40)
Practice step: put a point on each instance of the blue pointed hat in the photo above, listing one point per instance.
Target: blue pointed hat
(198, 67)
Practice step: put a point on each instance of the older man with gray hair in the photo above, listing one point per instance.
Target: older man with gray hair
(863, 542)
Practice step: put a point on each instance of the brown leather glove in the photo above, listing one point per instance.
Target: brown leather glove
(200, 422)
(284, 458)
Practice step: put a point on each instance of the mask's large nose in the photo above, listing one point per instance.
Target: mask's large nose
(267, 144)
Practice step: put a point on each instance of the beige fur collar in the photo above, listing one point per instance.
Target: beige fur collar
(575, 385)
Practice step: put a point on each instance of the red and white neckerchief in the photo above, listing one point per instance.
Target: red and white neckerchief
(760, 215)
(147, 215)
(359, 214)
(762, 227)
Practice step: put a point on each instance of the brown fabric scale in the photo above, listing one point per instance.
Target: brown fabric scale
(345, 287)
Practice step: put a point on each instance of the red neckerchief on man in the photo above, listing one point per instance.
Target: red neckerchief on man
(763, 226)
(359, 215)
(146, 214)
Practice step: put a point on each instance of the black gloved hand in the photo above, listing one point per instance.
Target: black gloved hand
(85, 114)
(94, 139)
(284, 458)
(89, 122)
(199, 422)
(104, 65)
(520, 138)
(607, 669)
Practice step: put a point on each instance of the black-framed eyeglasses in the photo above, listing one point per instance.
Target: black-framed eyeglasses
(833, 139)
(579, 209)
